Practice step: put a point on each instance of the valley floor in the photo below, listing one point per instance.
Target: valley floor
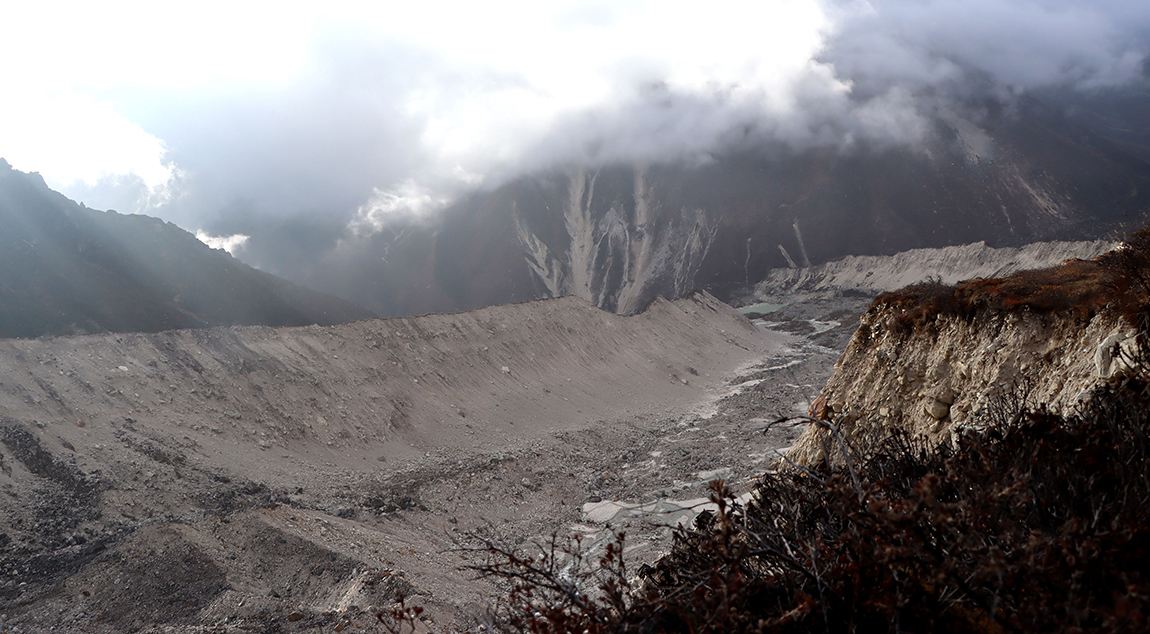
(298, 479)
(255, 479)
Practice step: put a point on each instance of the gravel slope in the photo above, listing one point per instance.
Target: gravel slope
(259, 479)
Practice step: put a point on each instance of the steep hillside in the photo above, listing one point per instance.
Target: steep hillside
(65, 268)
(621, 234)
(933, 358)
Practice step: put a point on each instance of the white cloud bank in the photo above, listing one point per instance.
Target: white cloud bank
(231, 243)
(208, 112)
(76, 140)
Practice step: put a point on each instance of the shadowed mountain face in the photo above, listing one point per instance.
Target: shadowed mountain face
(622, 234)
(68, 269)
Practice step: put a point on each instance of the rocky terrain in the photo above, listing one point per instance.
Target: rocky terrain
(935, 385)
(935, 358)
(826, 302)
(297, 479)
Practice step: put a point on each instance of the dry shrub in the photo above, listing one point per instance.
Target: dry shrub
(1118, 280)
(1081, 287)
(1128, 278)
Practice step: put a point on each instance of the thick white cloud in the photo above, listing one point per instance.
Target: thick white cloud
(207, 113)
(74, 139)
(1019, 43)
(231, 243)
(408, 201)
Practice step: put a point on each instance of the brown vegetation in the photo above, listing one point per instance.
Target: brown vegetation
(1114, 281)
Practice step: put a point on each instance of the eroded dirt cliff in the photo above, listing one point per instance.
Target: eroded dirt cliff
(931, 358)
(932, 382)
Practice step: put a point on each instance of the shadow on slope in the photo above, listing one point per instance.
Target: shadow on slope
(67, 269)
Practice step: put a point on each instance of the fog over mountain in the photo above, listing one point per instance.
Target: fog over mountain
(327, 137)
(191, 444)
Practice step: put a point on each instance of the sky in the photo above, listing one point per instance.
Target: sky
(223, 117)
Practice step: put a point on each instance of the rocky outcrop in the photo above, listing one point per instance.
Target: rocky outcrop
(932, 379)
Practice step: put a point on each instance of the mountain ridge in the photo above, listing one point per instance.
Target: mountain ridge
(620, 234)
(68, 269)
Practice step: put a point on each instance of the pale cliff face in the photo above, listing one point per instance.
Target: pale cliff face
(619, 254)
(934, 380)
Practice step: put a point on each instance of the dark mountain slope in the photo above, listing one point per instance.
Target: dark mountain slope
(66, 269)
(622, 234)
